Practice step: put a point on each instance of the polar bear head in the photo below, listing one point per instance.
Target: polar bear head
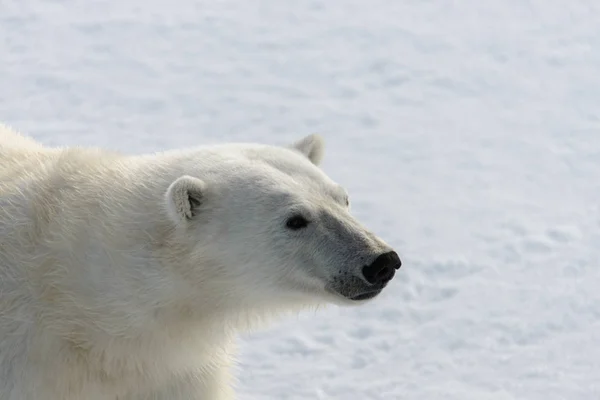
(265, 224)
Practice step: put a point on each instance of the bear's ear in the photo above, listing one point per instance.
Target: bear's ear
(184, 198)
(312, 146)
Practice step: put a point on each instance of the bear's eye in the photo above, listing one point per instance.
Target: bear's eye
(347, 201)
(296, 222)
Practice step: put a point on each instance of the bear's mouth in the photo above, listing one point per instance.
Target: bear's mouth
(365, 295)
(354, 289)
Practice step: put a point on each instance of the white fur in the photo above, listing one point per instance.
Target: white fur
(115, 285)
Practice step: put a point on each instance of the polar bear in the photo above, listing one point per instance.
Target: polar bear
(128, 276)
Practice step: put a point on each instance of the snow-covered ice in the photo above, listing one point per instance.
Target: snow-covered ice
(468, 134)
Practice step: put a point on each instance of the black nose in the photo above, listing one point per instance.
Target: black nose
(382, 270)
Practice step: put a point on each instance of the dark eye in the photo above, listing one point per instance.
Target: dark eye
(347, 201)
(296, 222)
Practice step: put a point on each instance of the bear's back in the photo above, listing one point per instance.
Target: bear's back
(20, 158)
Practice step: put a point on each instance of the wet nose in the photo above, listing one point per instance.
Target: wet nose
(382, 270)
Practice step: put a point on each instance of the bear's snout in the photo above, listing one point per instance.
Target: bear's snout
(383, 269)
(374, 279)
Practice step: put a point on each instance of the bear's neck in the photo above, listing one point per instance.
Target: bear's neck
(117, 284)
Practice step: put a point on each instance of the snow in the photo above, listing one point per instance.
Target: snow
(467, 133)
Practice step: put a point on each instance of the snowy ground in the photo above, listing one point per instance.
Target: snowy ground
(467, 132)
